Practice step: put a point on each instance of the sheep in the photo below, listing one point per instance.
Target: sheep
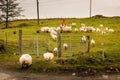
(53, 34)
(54, 37)
(103, 32)
(73, 24)
(58, 28)
(84, 29)
(101, 25)
(98, 30)
(111, 30)
(67, 29)
(25, 60)
(106, 28)
(48, 56)
(82, 25)
(84, 39)
(93, 42)
(93, 29)
(55, 50)
(45, 29)
(87, 29)
(76, 29)
(65, 46)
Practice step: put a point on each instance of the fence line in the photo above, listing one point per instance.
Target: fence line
(75, 45)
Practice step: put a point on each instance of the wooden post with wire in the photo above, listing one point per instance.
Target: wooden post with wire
(20, 42)
(59, 43)
(88, 47)
(103, 52)
(6, 40)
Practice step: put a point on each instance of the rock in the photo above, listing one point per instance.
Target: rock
(105, 76)
(73, 74)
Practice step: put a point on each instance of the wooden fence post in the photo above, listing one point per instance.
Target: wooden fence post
(48, 44)
(20, 41)
(6, 40)
(88, 47)
(103, 52)
(59, 43)
(36, 45)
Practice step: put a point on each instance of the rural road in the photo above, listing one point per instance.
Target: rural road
(9, 75)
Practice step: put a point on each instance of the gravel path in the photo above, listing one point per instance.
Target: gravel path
(9, 75)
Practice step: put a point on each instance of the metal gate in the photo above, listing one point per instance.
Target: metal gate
(35, 44)
(75, 45)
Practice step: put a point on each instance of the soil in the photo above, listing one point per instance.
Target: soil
(11, 75)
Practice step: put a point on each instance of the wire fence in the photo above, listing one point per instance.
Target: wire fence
(75, 45)
(35, 44)
(39, 44)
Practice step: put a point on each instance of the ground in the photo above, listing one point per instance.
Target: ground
(10, 75)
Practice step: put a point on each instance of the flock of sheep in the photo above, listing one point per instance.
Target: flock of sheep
(26, 60)
(72, 27)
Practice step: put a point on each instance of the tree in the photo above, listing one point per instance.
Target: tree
(10, 9)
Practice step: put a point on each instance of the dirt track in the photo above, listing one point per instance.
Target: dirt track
(9, 75)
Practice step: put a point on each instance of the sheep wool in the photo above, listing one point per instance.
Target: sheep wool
(92, 43)
(76, 29)
(84, 39)
(48, 56)
(55, 50)
(25, 59)
(65, 46)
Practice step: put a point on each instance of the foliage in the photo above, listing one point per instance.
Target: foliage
(10, 9)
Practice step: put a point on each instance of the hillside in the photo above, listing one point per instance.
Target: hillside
(72, 60)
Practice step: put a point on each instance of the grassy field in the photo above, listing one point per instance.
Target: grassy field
(71, 63)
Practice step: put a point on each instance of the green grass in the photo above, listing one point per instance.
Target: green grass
(80, 58)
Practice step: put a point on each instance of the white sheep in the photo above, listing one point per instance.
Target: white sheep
(106, 28)
(83, 28)
(76, 29)
(45, 29)
(103, 32)
(65, 46)
(53, 32)
(54, 37)
(55, 50)
(101, 25)
(25, 60)
(98, 30)
(84, 39)
(67, 29)
(73, 24)
(87, 29)
(82, 24)
(48, 56)
(93, 42)
(111, 30)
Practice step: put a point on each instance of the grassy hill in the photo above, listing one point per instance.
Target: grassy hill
(94, 59)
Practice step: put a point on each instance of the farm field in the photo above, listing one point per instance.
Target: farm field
(76, 59)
